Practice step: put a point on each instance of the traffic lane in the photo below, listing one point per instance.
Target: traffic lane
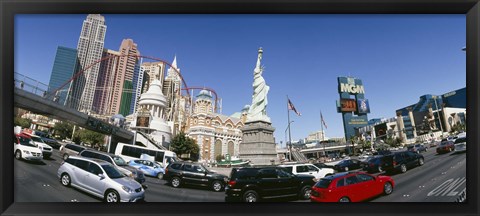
(161, 191)
(38, 182)
(415, 184)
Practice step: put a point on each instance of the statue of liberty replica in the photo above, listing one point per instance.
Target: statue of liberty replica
(258, 145)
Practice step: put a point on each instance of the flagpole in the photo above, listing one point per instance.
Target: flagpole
(323, 132)
(289, 134)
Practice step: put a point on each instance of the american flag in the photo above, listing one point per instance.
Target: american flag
(291, 107)
(323, 122)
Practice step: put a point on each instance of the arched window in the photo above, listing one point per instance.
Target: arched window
(218, 148)
(231, 149)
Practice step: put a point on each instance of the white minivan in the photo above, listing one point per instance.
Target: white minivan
(37, 141)
(24, 148)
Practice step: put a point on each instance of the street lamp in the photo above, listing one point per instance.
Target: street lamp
(290, 140)
(438, 114)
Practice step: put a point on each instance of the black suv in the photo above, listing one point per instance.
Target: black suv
(251, 184)
(401, 161)
(181, 172)
(373, 164)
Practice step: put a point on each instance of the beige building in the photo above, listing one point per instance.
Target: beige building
(215, 134)
(316, 136)
(124, 76)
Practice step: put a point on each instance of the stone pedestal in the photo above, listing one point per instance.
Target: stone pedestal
(258, 145)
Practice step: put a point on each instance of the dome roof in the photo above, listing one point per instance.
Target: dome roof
(154, 95)
(246, 108)
(204, 94)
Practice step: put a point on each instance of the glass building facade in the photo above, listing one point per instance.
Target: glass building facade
(62, 71)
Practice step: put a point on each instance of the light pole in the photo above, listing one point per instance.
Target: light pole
(438, 114)
(290, 141)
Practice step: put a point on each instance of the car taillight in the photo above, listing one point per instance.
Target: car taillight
(394, 163)
(231, 183)
(372, 164)
(166, 170)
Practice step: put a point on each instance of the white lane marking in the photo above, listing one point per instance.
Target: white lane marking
(448, 187)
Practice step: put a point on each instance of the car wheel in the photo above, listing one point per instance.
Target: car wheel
(403, 168)
(387, 188)
(217, 186)
(175, 182)
(112, 196)
(18, 155)
(65, 179)
(420, 161)
(65, 156)
(344, 199)
(250, 196)
(160, 175)
(304, 193)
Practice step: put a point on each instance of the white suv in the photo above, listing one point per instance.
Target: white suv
(308, 169)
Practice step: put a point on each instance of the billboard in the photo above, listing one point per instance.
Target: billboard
(348, 105)
(363, 106)
(143, 121)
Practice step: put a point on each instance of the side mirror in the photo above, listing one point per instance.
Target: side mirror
(101, 176)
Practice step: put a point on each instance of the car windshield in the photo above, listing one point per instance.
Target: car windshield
(444, 143)
(36, 139)
(119, 161)
(112, 172)
(323, 183)
(25, 141)
(461, 139)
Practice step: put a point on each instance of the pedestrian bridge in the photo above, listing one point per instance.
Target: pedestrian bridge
(30, 100)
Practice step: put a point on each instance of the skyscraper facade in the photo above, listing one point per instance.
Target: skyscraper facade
(90, 48)
(138, 76)
(155, 70)
(105, 83)
(171, 88)
(62, 71)
(123, 84)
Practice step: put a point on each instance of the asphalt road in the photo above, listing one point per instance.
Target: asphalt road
(440, 179)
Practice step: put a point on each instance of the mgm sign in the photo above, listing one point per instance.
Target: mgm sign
(352, 105)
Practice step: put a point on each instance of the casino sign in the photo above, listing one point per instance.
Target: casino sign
(352, 105)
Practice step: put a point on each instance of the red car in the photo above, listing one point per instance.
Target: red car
(351, 187)
(445, 146)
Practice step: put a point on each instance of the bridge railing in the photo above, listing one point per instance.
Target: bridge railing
(41, 89)
(30, 85)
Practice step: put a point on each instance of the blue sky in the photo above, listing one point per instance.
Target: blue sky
(398, 57)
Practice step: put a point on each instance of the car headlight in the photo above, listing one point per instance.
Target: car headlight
(315, 179)
(26, 152)
(225, 179)
(131, 175)
(127, 189)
